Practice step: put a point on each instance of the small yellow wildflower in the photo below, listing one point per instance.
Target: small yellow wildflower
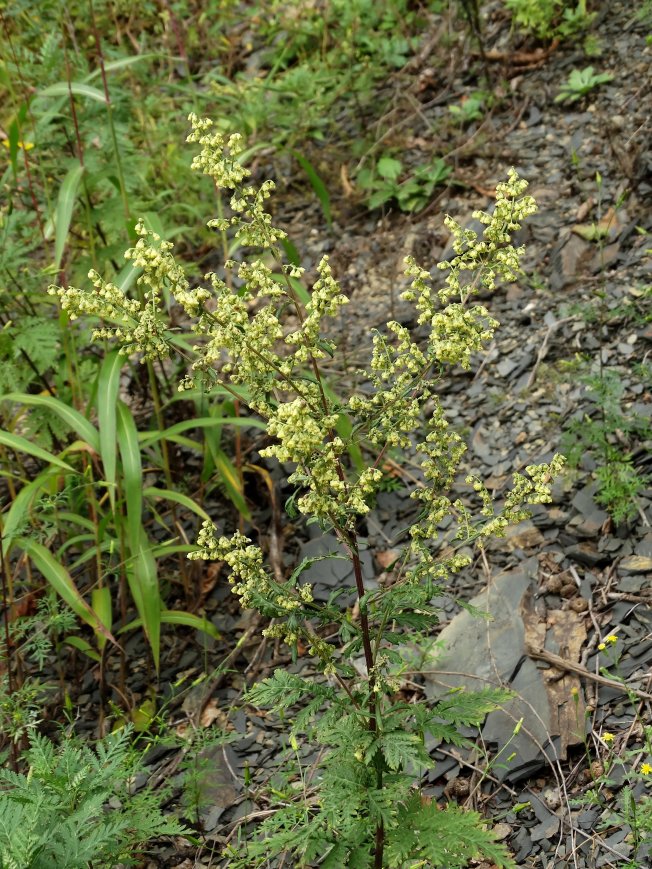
(646, 769)
(25, 146)
(601, 647)
(608, 737)
(612, 638)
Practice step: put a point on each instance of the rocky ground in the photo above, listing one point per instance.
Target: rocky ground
(572, 576)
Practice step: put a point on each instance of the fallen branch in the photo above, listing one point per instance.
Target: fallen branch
(561, 664)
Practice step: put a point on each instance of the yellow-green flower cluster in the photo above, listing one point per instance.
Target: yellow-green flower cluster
(494, 256)
(218, 159)
(524, 492)
(160, 271)
(455, 331)
(249, 579)
(241, 346)
(140, 329)
(393, 411)
(299, 434)
(325, 301)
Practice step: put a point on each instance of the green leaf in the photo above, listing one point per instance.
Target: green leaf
(122, 63)
(63, 88)
(142, 577)
(389, 168)
(15, 518)
(107, 395)
(400, 748)
(176, 617)
(232, 483)
(61, 581)
(84, 646)
(71, 417)
(381, 196)
(65, 207)
(177, 498)
(132, 472)
(102, 606)
(22, 445)
(317, 185)
(147, 438)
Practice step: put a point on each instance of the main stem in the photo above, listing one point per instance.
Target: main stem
(351, 541)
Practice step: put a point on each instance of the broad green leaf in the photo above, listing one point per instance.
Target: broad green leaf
(107, 396)
(14, 519)
(72, 418)
(147, 438)
(65, 207)
(232, 483)
(61, 581)
(102, 607)
(389, 168)
(63, 88)
(22, 445)
(143, 583)
(83, 646)
(176, 617)
(177, 498)
(132, 471)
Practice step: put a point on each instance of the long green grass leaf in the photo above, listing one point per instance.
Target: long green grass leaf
(147, 438)
(22, 445)
(176, 617)
(177, 498)
(107, 396)
(132, 472)
(102, 607)
(15, 519)
(71, 417)
(232, 483)
(61, 581)
(65, 207)
(317, 185)
(141, 572)
(83, 646)
(143, 584)
(61, 89)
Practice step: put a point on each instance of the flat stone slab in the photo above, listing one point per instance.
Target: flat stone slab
(476, 653)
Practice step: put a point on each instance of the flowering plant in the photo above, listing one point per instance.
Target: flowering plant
(367, 810)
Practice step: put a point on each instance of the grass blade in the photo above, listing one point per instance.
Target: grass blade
(143, 583)
(317, 185)
(177, 498)
(107, 396)
(63, 88)
(71, 417)
(65, 207)
(61, 581)
(176, 617)
(232, 482)
(22, 445)
(101, 603)
(14, 521)
(142, 574)
(148, 438)
(132, 472)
